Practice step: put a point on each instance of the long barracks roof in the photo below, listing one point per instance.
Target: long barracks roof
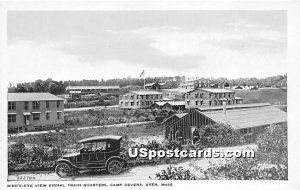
(91, 87)
(214, 90)
(179, 90)
(146, 92)
(247, 116)
(232, 106)
(153, 83)
(177, 103)
(28, 96)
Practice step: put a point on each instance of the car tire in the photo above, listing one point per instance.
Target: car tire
(63, 170)
(114, 167)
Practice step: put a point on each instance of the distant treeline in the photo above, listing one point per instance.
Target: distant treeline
(59, 87)
(49, 85)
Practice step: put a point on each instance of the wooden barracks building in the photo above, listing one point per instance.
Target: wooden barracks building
(139, 99)
(248, 119)
(210, 97)
(29, 110)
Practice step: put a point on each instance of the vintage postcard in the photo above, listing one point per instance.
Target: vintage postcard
(149, 95)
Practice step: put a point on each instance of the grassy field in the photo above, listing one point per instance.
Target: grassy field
(271, 95)
(68, 138)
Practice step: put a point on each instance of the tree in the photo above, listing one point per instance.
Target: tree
(21, 88)
(226, 84)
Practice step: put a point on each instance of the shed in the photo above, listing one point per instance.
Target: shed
(176, 105)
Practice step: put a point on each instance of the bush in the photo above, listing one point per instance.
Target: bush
(219, 135)
(270, 162)
(17, 153)
(32, 158)
(162, 115)
(272, 145)
(108, 116)
(172, 145)
(124, 120)
(150, 118)
(132, 120)
(141, 119)
(112, 120)
(174, 173)
(246, 169)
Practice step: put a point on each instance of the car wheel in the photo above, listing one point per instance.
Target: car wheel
(63, 170)
(114, 167)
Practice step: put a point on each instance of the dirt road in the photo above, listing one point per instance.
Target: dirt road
(134, 173)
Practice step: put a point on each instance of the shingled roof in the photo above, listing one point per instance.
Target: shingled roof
(28, 96)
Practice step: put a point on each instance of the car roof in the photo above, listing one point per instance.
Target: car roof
(100, 138)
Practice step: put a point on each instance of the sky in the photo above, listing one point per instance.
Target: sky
(74, 45)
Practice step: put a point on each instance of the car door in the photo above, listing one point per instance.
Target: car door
(93, 152)
(112, 149)
(100, 154)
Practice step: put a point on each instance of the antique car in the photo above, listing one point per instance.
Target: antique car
(97, 153)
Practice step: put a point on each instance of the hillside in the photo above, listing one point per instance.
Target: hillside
(271, 95)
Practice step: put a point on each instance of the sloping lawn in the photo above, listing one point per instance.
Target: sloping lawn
(273, 96)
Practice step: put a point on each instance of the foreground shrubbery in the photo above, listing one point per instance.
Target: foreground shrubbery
(272, 145)
(22, 158)
(247, 169)
(270, 162)
(219, 135)
(29, 158)
(174, 173)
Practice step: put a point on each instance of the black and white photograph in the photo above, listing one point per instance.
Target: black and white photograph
(140, 98)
